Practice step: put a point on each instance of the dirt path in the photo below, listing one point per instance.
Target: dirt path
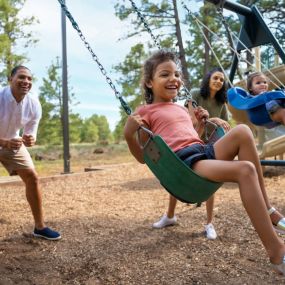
(105, 219)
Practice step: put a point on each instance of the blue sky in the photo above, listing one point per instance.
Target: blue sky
(102, 29)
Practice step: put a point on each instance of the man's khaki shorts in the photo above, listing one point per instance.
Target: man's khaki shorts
(14, 160)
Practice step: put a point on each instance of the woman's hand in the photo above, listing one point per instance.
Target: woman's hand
(219, 122)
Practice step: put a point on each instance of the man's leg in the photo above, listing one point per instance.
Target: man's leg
(33, 194)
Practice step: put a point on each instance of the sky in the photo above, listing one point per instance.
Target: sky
(102, 29)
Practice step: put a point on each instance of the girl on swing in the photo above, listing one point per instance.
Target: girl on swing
(161, 82)
(211, 96)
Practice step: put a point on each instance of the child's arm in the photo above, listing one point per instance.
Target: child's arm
(132, 125)
(197, 120)
(192, 114)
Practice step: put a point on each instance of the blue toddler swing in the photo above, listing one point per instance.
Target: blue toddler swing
(255, 105)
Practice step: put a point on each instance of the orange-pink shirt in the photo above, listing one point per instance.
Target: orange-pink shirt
(172, 122)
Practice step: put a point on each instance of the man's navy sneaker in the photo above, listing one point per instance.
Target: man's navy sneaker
(47, 233)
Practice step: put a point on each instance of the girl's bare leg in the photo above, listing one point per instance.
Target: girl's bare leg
(244, 173)
(247, 173)
(171, 206)
(239, 141)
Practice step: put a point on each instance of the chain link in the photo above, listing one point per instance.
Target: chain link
(95, 58)
(143, 20)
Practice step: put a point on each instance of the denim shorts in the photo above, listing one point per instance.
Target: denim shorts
(196, 152)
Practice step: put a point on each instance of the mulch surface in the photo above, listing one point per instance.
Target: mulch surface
(105, 219)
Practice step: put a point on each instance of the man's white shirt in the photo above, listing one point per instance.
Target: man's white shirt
(15, 116)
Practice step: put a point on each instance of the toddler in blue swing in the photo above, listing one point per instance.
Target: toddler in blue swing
(161, 82)
(257, 83)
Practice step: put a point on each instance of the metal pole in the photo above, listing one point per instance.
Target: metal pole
(65, 122)
(232, 6)
(273, 40)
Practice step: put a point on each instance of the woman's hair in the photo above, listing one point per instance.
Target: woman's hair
(149, 68)
(221, 95)
(250, 78)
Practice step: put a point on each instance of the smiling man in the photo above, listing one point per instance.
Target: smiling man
(19, 110)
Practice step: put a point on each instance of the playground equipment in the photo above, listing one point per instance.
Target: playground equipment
(275, 75)
(273, 148)
(254, 32)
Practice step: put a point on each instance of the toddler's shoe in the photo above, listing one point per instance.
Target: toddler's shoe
(164, 222)
(210, 231)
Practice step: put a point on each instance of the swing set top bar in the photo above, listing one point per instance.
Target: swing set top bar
(232, 6)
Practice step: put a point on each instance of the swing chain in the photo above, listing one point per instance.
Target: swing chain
(184, 93)
(95, 58)
(142, 18)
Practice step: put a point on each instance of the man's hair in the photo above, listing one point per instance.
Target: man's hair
(16, 68)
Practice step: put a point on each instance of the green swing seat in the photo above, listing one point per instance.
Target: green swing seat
(174, 175)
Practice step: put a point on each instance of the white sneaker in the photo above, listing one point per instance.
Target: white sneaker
(164, 222)
(280, 268)
(210, 231)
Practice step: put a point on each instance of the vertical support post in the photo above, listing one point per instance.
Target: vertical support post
(233, 67)
(65, 115)
(258, 59)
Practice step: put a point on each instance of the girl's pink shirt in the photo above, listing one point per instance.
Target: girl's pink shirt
(172, 122)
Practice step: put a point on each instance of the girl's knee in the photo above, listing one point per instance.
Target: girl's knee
(243, 132)
(242, 128)
(247, 169)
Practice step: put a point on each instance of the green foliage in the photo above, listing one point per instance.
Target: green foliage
(51, 125)
(12, 32)
(75, 126)
(49, 129)
(89, 131)
(101, 127)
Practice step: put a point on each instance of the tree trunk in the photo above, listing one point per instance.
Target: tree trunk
(181, 47)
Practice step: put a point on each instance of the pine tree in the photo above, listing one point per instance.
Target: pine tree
(12, 32)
